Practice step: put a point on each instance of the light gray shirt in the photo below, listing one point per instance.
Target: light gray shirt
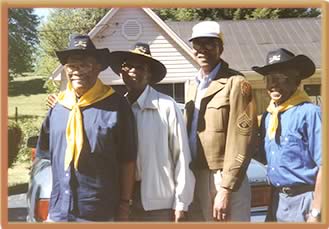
(203, 83)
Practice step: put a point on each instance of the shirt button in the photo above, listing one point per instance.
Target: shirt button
(272, 168)
(277, 184)
(66, 191)
(272, 152)
(286, 139)
(66, 174)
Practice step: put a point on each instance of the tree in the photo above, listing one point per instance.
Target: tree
(54, 33)
(190, 14)
(23, 39)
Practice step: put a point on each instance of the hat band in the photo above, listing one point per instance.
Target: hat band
(137, 51)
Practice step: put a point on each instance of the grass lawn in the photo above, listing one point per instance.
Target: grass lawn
(27, 96)
(19, 173)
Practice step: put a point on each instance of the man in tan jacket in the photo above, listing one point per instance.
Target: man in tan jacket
(221, 122)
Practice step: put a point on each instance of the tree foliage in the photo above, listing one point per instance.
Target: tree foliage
(22, 25)
(54, 33)
(191, 14)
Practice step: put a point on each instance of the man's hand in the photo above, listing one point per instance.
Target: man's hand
(221, 209)
(51, 100)
(312, 219)
(179, 216)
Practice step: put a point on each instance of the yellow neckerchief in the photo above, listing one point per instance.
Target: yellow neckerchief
(74, 128)
(298, 97)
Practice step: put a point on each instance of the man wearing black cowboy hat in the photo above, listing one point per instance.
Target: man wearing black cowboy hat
(165, 183)
(291, 135)
(89, 135)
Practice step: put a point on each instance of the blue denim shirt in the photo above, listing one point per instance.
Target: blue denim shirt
(296, 156)
(91, 192)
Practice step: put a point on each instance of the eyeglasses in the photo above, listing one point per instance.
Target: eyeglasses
(78, 66)
(209, 45)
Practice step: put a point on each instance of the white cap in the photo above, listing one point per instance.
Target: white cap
(206, 29)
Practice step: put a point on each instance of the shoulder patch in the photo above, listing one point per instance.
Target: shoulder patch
(245, 88)
(244, 124)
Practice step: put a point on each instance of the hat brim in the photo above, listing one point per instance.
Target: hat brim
(204, 36)
(158, 70)
(301, 63)
(101, 55)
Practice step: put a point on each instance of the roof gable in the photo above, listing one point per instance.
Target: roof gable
(165, 38)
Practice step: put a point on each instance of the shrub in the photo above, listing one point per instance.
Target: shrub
(51, 86)
(30, 127)
(14, 142)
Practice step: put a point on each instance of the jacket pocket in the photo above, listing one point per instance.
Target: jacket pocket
(217, 113)
(218, 102)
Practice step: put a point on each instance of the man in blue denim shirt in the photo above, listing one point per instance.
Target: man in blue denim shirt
(90, 135)
(291, 139)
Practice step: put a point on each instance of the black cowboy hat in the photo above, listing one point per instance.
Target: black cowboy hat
(82, 45)
(142, 51)
(281, 60)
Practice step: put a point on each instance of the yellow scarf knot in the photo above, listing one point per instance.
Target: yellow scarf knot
(74, 128)
(298, 97)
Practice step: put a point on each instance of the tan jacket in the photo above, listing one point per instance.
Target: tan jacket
(226, 125)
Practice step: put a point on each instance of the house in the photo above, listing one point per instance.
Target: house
(246, 44)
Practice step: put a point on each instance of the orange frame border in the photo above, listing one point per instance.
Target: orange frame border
(6, 4)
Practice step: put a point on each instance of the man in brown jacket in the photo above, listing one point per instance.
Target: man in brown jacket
(221, 121)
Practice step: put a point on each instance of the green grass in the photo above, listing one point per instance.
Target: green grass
(19, 173)
(27, 96)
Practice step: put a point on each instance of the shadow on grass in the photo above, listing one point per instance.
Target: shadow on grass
(17, 189)
(26, 87)
(25, 117)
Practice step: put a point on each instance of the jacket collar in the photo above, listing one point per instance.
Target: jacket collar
(216, 84)
(219, 81)
(148, 99)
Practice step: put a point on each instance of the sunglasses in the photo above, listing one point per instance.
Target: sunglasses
(208, 45)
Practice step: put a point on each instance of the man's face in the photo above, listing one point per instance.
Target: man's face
(280, 86)
(207, 52)
(82, 71)
(135, 74)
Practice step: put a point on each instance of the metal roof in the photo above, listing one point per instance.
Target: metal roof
(247, 42)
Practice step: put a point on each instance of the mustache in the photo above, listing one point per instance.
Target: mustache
(201, 56)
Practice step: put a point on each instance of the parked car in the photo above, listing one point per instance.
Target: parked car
(41, 182)
(40, 185)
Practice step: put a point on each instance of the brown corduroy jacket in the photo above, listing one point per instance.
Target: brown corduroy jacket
(227, 125)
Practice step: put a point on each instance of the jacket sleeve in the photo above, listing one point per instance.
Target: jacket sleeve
(181, 155)
(42, 147)
(241, 132)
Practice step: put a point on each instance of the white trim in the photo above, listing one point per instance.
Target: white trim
(94, 31)
(170, 32)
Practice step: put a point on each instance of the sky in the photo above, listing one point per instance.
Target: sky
(42, 13)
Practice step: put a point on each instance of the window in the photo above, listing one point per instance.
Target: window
(175, 90)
